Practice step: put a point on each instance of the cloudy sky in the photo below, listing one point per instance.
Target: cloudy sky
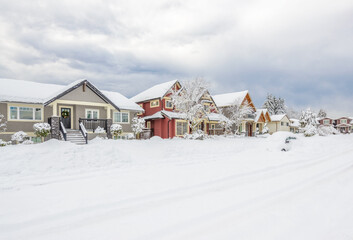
(300, 50)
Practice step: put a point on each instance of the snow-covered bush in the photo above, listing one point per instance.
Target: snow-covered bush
(27, 142)
(2, 123)
(327, 130)
(116, 130)
(308, 118)
(310, 130)
(138, 125)
(198, 135)
(265, 129)
(19, 137)
(41, 129)
(99, 130)
(3, 143)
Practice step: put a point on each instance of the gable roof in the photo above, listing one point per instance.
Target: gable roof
(258, 114)
(277, 118)
(157, 91)
(228, 99)
(42, 93)
(294, 123)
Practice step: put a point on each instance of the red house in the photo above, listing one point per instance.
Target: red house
(343, 124)
(326, 121)
(162, 118)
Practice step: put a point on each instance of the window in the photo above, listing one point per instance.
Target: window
(154, 103)
(121, 117)
(282, 123)
(149, 125)
(287, 124)
(326, 121)
(168, 104)
(92, 113)
(181, 128)
(206, 107)
(344, 121)
(212, 126)
(25, 113)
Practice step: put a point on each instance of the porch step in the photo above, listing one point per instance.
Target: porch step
(75, 136)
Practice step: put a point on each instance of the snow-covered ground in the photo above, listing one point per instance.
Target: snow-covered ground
(242, 188)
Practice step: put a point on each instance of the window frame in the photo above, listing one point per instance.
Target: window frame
(169, 101)
(345, 121)
(326, 121)
(92, 110)
(154, 101)
(176, 127)
(18, 115)
(121, 117)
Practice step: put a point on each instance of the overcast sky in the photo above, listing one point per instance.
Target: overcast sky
(300, 50)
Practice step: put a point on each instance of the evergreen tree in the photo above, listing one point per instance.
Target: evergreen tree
(322, 113)
(274, 105)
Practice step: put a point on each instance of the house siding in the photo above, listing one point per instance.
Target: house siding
(85, 96)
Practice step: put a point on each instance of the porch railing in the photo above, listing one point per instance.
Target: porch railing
(93, 124)
(216, 131)
(63, 130)
(84, 132)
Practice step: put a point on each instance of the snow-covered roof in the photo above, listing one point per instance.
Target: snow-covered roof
(294, 122)
(122, 102)
(24, 91)
(157, 91)
(258, 115)
(32, 92)
(216, 117)
(168, 114)
(277, 118)
(228, 99)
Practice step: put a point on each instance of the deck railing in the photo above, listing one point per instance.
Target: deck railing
(93, 124)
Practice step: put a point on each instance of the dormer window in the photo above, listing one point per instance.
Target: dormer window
(168, 104)
(154, 103)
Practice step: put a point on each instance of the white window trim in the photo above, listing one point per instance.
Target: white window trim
(128, 117)
(345, 121)
(326, 121)
(92, 112)
(25, 120)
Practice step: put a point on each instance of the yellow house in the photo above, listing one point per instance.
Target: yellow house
(279, 123)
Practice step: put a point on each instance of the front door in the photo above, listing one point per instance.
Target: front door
(66, 117)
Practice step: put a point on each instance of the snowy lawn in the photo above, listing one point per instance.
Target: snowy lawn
(243, 188)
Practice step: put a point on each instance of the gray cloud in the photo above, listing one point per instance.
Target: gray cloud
(302, 50)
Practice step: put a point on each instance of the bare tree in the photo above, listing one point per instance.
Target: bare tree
(274, 105)
(236, 113)
(188, 102)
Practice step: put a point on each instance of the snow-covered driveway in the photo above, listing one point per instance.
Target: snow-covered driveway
(178, 189)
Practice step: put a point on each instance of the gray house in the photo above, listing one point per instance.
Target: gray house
(74, 111)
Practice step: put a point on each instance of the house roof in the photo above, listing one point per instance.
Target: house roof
(294, 122)
(216, 117)
(228, 99)
(163, 114)
(157, 91)
(42, 93)
(258, 115)
(277, 118)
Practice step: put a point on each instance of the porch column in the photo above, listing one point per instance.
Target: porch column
(55, 127)
(55, 109)
(109, 124)
(108, 113)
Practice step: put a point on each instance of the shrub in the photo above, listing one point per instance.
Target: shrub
(99, 130)
(19, 137)
(198, 135)
(310, 130)
(3, 143)
(116, 130)
(41, 129)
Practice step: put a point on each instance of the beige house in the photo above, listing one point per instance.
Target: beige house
(227, 100)
(74, 111)
(279, 123)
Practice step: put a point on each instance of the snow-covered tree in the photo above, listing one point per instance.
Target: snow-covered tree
(138, 124)
(308, 122)
(237, 113)
(274, 105)
(2, 123)
(293, 113)
(19, 137)
(116, 130)
(322, 114)
(187, 101)
(308, 117)
(41, 130)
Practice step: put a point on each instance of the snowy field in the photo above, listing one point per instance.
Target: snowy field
(243, 188)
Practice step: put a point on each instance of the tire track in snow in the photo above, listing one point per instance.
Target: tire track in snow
(89, 215)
